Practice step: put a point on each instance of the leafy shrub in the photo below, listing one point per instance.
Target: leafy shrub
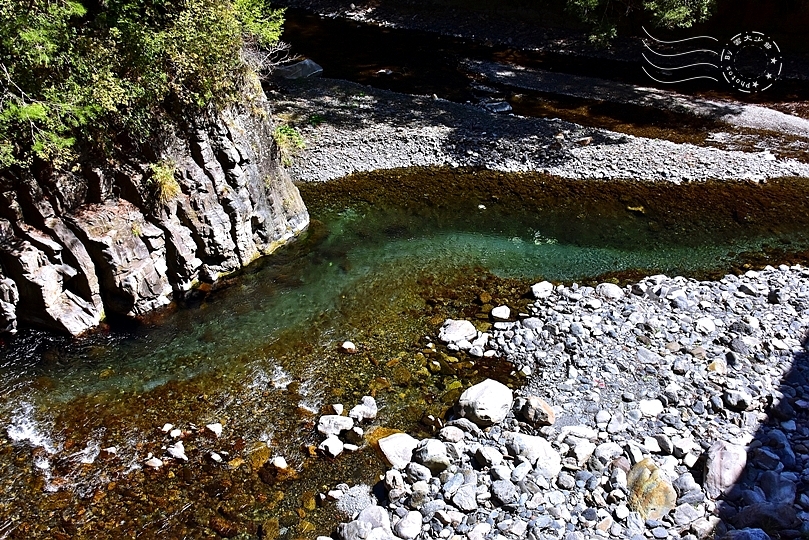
(604, 15)
(77, 74)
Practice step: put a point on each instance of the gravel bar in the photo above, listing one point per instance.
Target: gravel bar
(669, 408)
(351, 128)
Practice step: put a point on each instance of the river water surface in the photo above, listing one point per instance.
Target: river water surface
(387, 258)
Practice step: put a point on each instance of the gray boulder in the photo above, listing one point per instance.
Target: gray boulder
(432, 453)
(299, 70)
(724, 465)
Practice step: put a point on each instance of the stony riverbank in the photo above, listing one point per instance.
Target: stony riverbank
(350, 128)
(670, 408)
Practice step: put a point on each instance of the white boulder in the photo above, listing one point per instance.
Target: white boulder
(453, 331)
(486, 403)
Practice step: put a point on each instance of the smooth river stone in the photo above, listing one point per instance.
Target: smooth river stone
(486, 403)
(398, 449)
(725, 464)
(454, 330)
(332, 424)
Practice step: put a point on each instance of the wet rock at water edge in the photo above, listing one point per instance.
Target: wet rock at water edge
(542, 290)
(610, 291)
(366, 410)
(398, 449)
(486, 403)
(453, 331)
(498, 106)
(153, 462)
(332, 424)
(332, 446)
(177, 451)
(299, 70)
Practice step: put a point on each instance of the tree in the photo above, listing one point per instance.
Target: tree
(77, 75)
(604, 15)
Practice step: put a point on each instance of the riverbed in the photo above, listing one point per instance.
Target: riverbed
(389, 256)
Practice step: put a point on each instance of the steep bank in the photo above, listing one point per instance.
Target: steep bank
(92, 244)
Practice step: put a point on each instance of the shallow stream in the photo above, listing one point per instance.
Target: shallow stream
(387, 258)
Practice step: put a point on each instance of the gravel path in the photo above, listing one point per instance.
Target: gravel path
(349, 128)
(667, 409)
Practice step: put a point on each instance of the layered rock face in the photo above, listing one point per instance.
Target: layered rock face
(82, 246)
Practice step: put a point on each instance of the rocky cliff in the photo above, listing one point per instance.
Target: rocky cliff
(80, 246)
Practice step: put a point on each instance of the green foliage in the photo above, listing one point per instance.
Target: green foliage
(289, 141)
(75, 74)
(316, 119)
(258, 23)
(603, 16)
(165, 187)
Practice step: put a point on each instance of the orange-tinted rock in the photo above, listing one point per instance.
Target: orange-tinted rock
(650, 492)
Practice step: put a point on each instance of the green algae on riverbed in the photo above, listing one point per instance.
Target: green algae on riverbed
(389, 256)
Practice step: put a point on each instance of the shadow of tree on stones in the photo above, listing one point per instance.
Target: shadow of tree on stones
(772, 492)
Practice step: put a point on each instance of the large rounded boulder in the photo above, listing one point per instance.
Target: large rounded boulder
(486, 403)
